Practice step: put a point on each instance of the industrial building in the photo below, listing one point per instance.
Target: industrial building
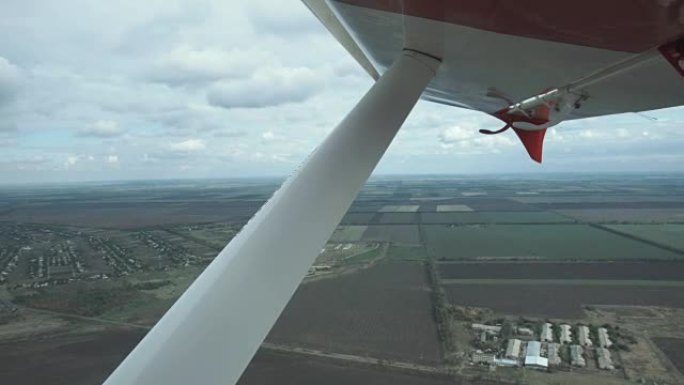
(576, 356)
(583, 336)
(566, 334)
(533, 358)
(552, 353)
(513, 348)
(546, 333)
(603, 359)
(604, 339)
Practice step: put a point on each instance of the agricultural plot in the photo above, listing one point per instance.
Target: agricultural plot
(618, 215)
(671, 235)
(353, 218)
(406, 253)
(662, 271)
(345, 234)
(401, 234)
(396, 218)
(560, 241)
(559, 301)
(674, 349)
(453, 208)
(66, 360)
(129, 215)
(494, 204)
(268, 368)
(523, 217)
(399, 209)
(384, 312)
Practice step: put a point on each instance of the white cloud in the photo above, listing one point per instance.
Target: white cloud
(259, 83)
(190, 145)
(457, 134)
(267, 87)
(112, 159)
(71, 160)
(185, 65)
(102, 129)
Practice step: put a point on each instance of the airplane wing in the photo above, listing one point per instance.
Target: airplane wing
(531, 63)
(499, 53)
(494, 48)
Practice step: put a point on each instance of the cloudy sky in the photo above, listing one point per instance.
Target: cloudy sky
(129, 89)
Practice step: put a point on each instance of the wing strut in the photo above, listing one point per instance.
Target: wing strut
(211, 333)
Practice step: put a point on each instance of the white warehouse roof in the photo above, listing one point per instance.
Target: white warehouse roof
(533, 349)
(537, 361)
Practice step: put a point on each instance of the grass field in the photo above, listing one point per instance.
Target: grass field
(570, 242)
(559, 301)
(384, 312)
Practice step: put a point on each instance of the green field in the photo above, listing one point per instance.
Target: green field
(345, 234)
(493, 217)
(406, 253)
(562, 241)
(671, 235)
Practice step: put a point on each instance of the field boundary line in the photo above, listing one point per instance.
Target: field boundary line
(637, 238)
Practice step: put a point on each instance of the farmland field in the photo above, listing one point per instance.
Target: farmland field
(66, 360)
(402, 234)
(493, 217)
(666, 234)
(132, 214)
(559, 301)
(674, 349)
(353, 218)
(366, 311)
(268, 368)
(406, 253)
(348, 234)
(384, 312)
(571, 242)
(617, 215)
(396, 218)
(563, 270)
